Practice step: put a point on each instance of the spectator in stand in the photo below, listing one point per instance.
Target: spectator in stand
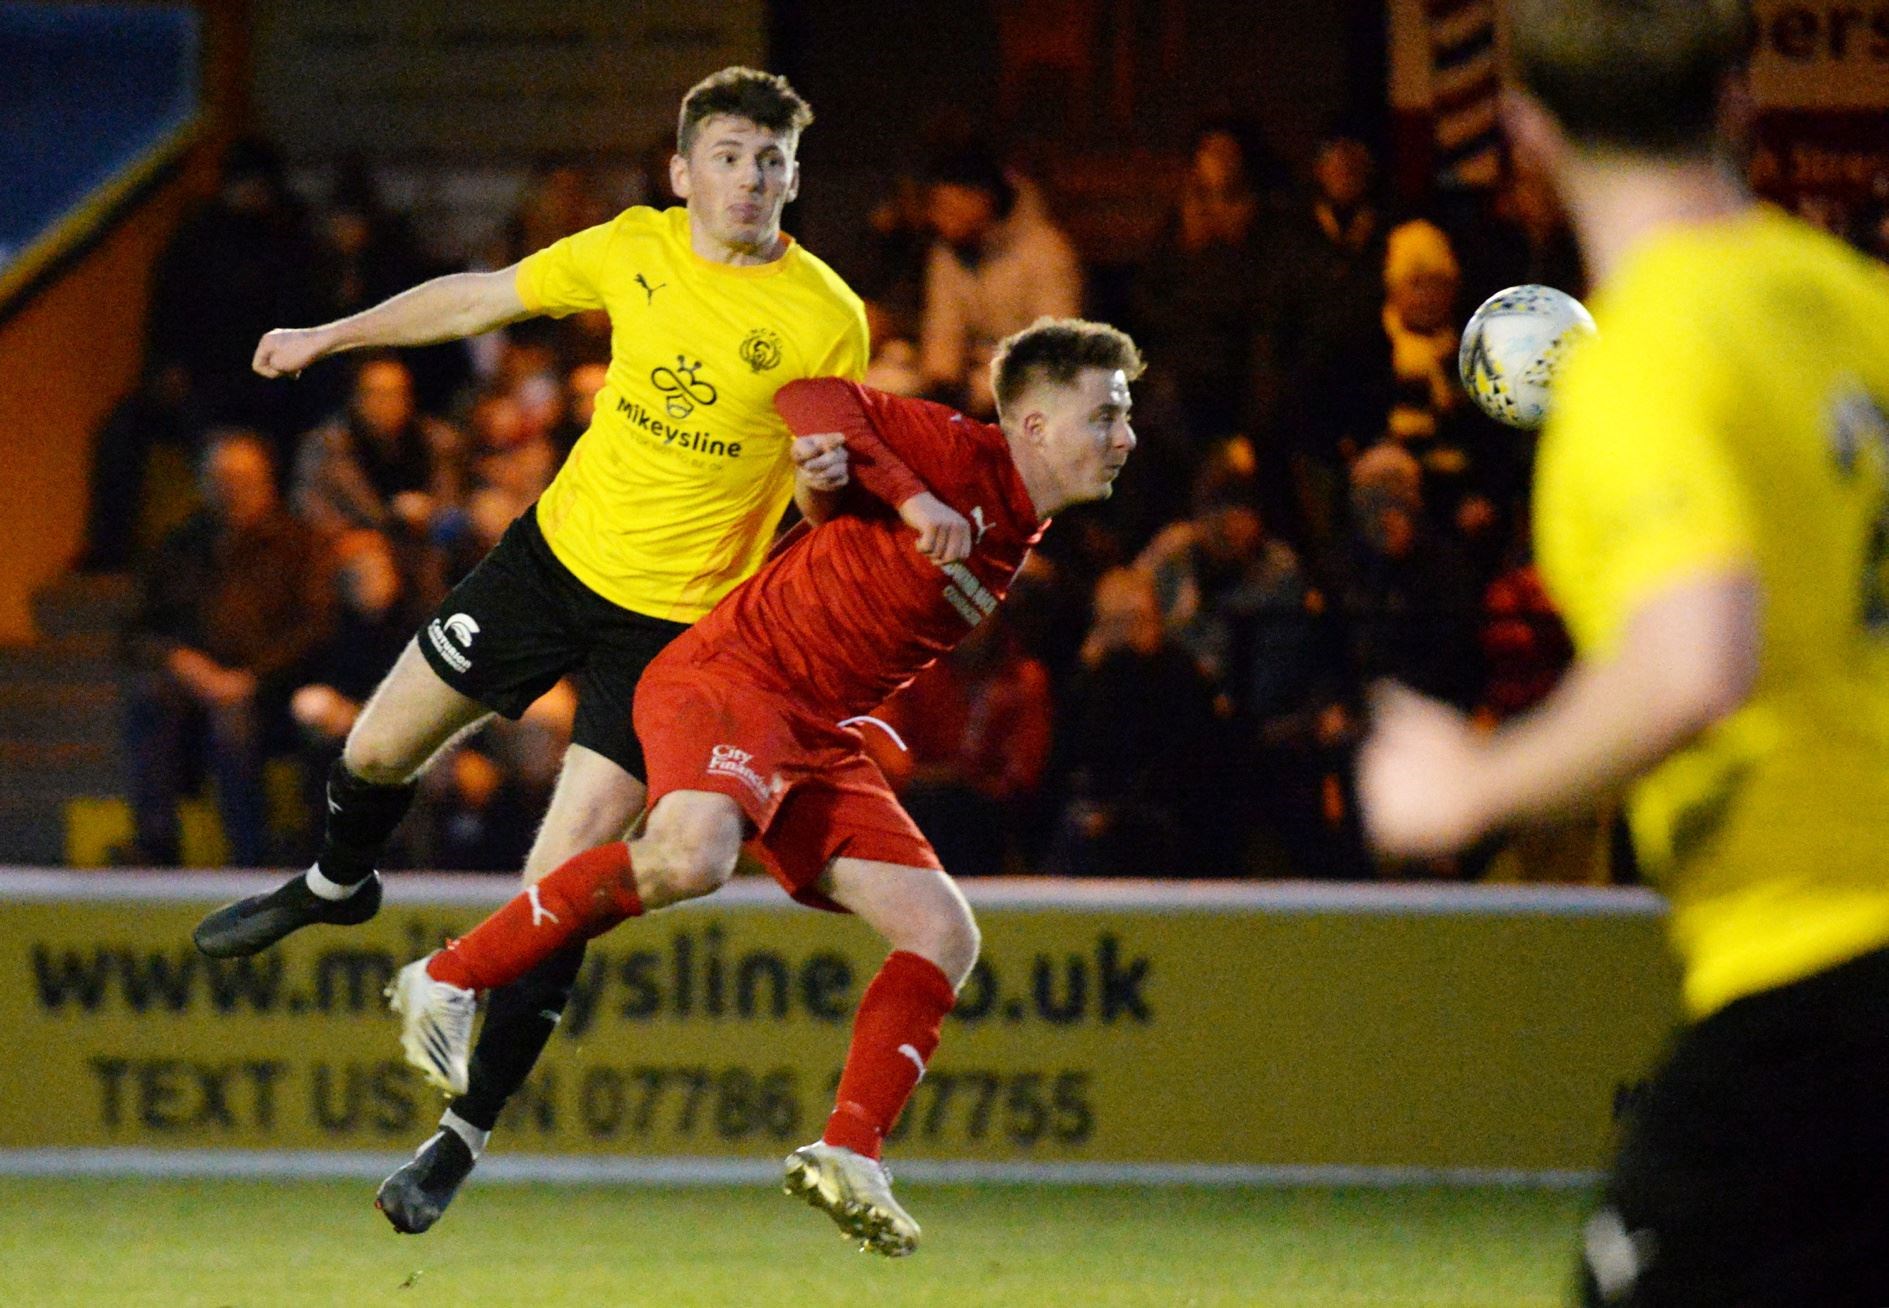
(375, 607)
(1220, 579)
(375, 610)
(1138, 743)
(998, 265)
(560, 199)
(472, 815)
(1401, 593)
(976, 733)
(237, 266)
(1525, 647)
(1194, 298)
(366, 254)
(1421, 279)
(1430, 413)
(1399, 602)
(158, 411)
(1323, 379)
(1237, 599)
(234, 602)
(513, 461)
(898, 247)
(382, 465)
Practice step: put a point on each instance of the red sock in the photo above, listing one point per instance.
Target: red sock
(894, 1035)
(584, 897)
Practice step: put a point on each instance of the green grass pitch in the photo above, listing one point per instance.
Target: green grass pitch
(257, 1244)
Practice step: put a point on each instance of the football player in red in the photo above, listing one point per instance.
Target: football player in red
(749, 723)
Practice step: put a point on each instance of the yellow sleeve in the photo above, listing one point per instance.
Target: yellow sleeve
(850, 352)
(566, 277)
(1647, 419)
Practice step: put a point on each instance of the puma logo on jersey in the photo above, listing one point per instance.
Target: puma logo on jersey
(539, 913)
(648, 290)
(977, 516)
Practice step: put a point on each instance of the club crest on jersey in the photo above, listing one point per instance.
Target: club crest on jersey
(761, 350)
(683, 387)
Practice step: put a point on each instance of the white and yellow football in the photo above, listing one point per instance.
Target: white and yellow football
(1512, 346)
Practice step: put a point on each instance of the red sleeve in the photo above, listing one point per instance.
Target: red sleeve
(872, 423)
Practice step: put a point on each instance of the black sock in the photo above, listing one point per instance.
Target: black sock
(361, 816)
(515, 1032)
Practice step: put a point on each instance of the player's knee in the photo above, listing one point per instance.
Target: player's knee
(375, 764)
(674, 863)
(950, 938)
(378, 757)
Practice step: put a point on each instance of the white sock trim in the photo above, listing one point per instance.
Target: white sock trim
(475, 1138)
(326, 889)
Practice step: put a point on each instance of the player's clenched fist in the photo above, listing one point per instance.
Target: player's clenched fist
(944, 535)
(820, 461)
(1417, 776)
(287, 350)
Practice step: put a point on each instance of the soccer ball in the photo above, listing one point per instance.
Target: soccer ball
(1512, 346)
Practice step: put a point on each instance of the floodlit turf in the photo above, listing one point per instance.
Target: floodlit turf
(244, 1244)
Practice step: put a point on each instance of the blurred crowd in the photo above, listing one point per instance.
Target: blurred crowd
(1179, 680)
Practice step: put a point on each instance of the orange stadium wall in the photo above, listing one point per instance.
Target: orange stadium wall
(65, 359)
(75, 345)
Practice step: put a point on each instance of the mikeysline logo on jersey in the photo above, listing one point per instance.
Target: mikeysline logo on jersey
(684, 390)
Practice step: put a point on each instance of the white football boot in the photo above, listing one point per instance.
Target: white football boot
(435, 1025)
(856, 1192)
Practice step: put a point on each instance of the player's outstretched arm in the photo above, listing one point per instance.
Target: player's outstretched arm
(444, 309)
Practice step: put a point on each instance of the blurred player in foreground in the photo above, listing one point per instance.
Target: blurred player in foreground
(1712, 518)
(668, 499)
(749, 723)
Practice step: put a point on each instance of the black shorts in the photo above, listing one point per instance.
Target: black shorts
(1754, 1169)
(520, 621)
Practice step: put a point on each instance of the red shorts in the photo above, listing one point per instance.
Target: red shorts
(805, 785)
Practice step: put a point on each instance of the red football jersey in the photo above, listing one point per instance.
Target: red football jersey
(850, 611)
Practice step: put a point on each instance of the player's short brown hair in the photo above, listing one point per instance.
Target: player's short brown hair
(1637, 75)
(1057, 350)
(764, 99)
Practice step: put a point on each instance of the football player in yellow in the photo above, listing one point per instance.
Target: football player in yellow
(667, 501)
(1712, 516)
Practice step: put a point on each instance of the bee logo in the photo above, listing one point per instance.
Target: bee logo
(682, 388)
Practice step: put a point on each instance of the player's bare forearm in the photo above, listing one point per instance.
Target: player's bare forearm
(444, 309)
(816, 506)
(821, 472)
(1688, 658)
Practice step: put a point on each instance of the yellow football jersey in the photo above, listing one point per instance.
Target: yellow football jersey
(1731, 414)
(672, 495)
